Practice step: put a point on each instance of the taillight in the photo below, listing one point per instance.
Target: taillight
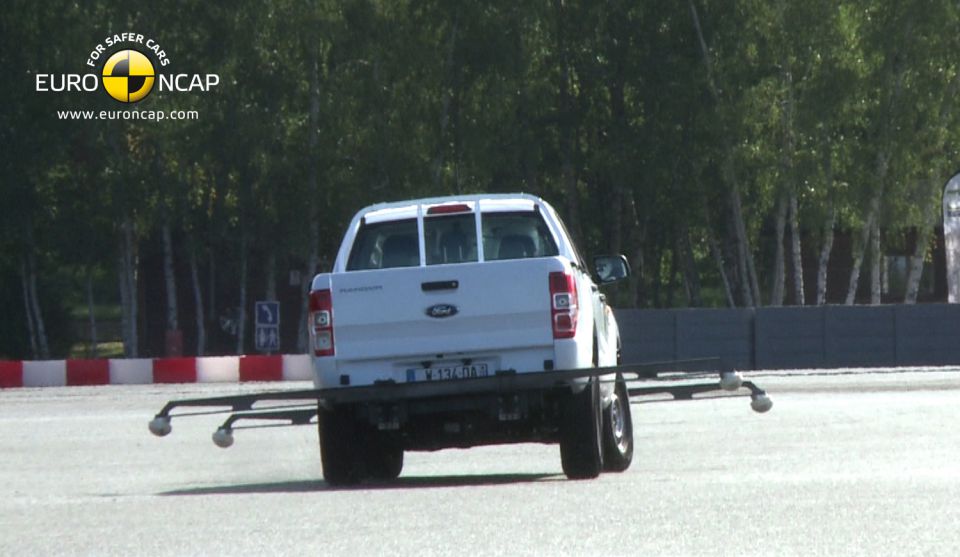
(563, 305)
(321, 322)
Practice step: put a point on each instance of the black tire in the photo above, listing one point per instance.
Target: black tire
(618, 431)
(340, 453)
(581, 452)
(384, 458)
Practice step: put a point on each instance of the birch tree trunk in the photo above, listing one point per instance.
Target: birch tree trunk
(271, 278)
(198, 304)
(93, 350)
(798, 295)
(42, 344)
(132, 261)
(916, 265)
(671, 281)
(788, 157)
(124, 304)
(898, 75)
(618, 113)
(825, 250)
(242, 313)
(616, 221)
(31, 298)
(636, 237)
(776, 290)
(381, 184)
(127, 271)
(691, 279)
(568, 177)
(858, 253)
(212, 287)
(876, 260)
(717, 256)
(312, 179)
(28, 308)
(169, 278)
(313, 258)
(718, 259)
(437, 165)
(242, 302)
(567, 131)
(656, 274)
(925, 230)
(749, 288)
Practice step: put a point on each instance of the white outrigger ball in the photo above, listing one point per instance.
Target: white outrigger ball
(761, 403)
(160, 426)
(731, 380)
(223, 438)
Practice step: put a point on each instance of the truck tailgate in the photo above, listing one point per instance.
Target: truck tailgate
(385, 314)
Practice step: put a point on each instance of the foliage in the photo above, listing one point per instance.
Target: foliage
(428, 97)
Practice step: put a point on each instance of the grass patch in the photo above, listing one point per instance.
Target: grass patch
(104, 350)
(103, 312)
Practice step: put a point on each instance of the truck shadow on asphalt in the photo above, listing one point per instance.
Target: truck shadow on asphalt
(409, 482)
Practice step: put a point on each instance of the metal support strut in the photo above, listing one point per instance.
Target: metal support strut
(302, 406)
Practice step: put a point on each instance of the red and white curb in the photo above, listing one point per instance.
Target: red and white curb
(215, 369)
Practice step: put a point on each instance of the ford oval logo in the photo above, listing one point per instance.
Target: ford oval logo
(440, 311)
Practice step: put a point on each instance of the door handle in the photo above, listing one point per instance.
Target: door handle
(440, 285)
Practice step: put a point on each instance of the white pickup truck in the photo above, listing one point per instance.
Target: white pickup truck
(447, 290)
(457, 322)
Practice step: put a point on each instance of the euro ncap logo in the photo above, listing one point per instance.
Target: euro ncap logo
(128, 76)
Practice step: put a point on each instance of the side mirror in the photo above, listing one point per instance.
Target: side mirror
(611, 268)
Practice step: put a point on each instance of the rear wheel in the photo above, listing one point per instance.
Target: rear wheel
(340, 453)
(581, 452)
(618, 431)
(384, 458)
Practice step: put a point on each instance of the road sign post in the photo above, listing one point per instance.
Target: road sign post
(267, 330)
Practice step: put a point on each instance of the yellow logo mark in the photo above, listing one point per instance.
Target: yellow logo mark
(128, 76)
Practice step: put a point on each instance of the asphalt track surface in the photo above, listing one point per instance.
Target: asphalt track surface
(845, 464)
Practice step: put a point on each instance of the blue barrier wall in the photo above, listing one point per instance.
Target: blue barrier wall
(796, 337)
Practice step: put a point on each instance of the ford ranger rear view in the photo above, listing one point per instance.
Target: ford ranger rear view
(451, 292)
(463, 321)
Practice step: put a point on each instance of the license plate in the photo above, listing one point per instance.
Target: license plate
(443, 373)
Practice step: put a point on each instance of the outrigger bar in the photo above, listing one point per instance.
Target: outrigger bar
(303, 405)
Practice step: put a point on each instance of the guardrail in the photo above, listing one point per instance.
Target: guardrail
(796, 337)
(137, 371)
(761, 338)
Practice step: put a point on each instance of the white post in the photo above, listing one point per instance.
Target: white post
(951, 236)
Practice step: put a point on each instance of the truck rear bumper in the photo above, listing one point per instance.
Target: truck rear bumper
(462, 421)
(334, 372)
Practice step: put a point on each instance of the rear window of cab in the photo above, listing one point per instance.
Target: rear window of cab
(451, 239)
